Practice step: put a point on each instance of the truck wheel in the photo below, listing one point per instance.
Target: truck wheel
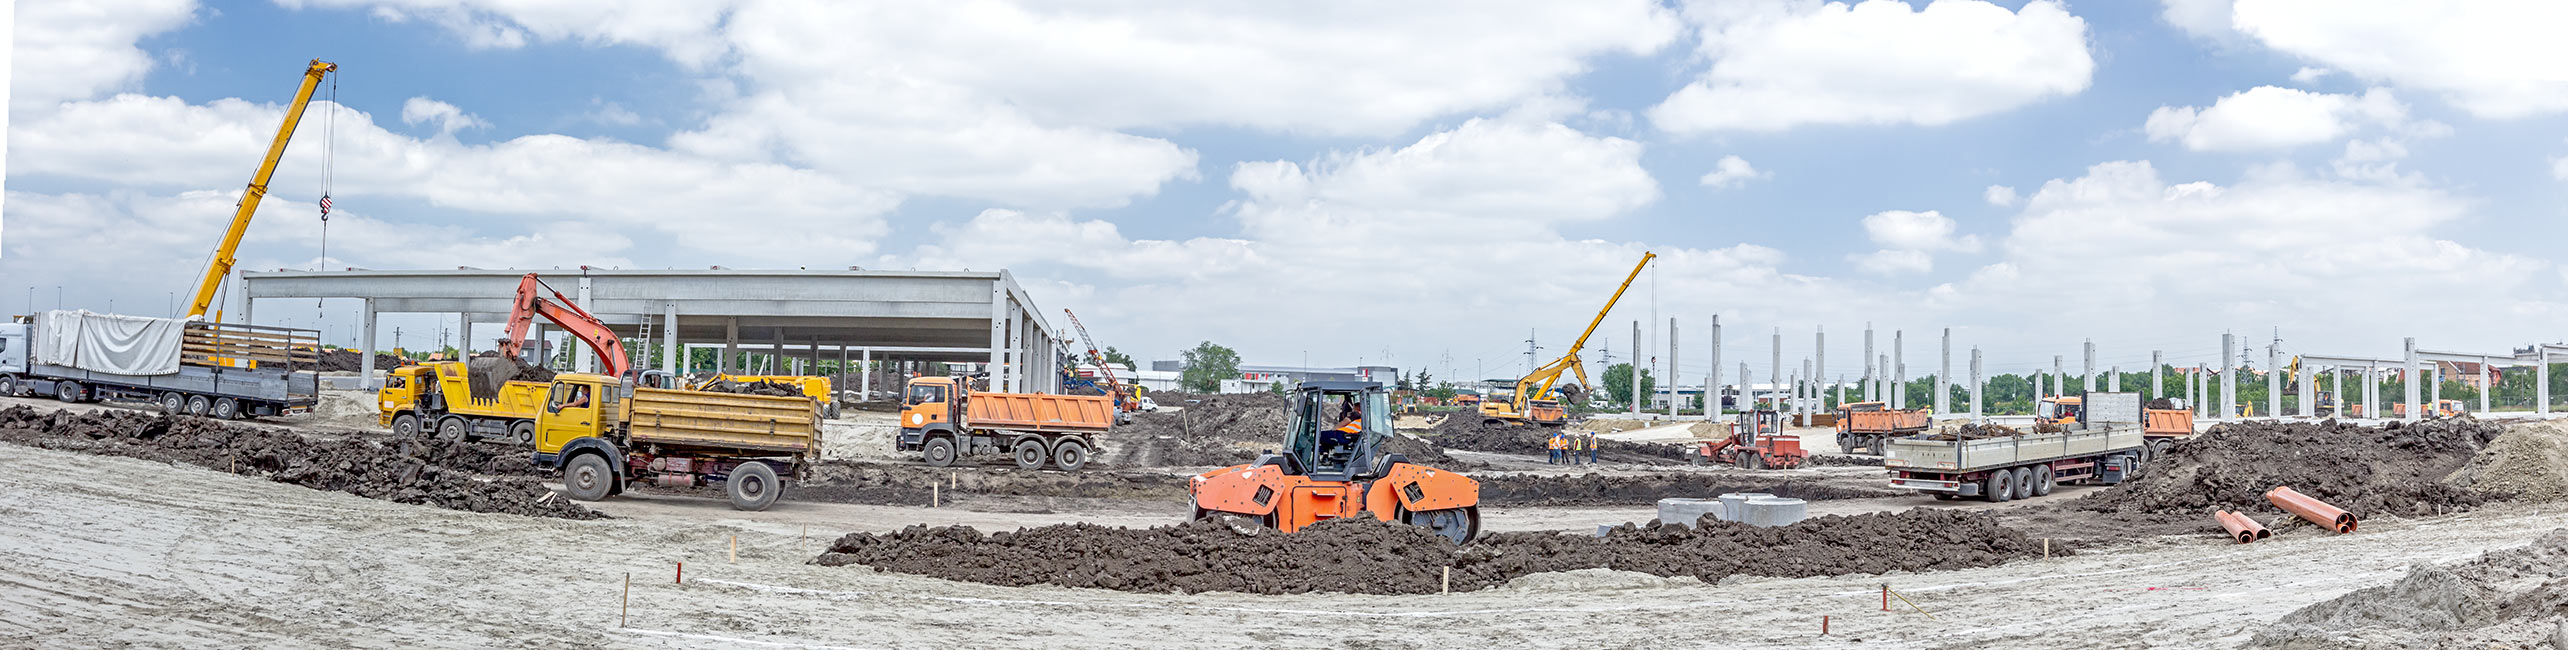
(8, 386)
(523, 432)
(405, 426)
(2160, 448)
(453, 429)
(939, 452)
(2000, 486)
(830, 411)
(587, 478)
(1070, 455)
(1030, 454)
(753, 486)
(67, 392)
(226, 409)
(2042, 482)
(2024, 482)
(197, 405)
(173, 403)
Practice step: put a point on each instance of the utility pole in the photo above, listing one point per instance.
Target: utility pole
(1530, 349)
(1636, 370)
(1712, 382)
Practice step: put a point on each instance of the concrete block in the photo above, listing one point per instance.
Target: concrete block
(1686, 511)
(1775, 511)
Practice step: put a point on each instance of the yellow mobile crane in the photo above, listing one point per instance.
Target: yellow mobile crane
(222, 263)
(1532, 400)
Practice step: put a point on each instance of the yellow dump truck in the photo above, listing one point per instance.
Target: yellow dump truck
(435, 397)
(816, 388)
(603, 434)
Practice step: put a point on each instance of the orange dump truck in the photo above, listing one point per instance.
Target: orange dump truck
(942, 419)
(2161, 427)
(1864, 425)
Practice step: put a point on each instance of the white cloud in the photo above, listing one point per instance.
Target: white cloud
(1775, 65)
(2495, 58)
(75, 49)
(1732, 171)
(2309, 75)
(1494, 169)
(1891, 262)
(447, 118)
(2201, 18)
(2272, 117)
(1908, 241)
(611, 114)
(2559, 168)
(2000, 196)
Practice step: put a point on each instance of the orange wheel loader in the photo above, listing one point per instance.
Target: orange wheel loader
(1333, 467)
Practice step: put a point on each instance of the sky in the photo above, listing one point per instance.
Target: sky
(1424, 185)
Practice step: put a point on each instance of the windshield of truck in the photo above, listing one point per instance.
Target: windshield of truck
(926, 394)
(567, 396)
(2048, 410)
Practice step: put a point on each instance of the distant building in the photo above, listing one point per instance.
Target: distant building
(1254, 378)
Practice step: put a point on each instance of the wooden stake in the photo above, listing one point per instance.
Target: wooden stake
(735, 549)
(956, 479)
(1448, 580)
(1885, 597)
(2046, 548)
(682, 573)
(626, 611)
(1823, 625)
(933, 501)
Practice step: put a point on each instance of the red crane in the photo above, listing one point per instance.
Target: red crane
(529, 304)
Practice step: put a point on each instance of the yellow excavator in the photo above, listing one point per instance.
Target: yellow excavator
(223, 253)
(1534, 401)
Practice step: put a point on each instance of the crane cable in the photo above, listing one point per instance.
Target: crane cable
(329, 159)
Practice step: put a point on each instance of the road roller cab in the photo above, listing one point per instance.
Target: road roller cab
(1334, 466)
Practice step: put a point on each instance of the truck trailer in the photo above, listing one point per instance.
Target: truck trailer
(942, 419)
(2103, 449)
(219, 370)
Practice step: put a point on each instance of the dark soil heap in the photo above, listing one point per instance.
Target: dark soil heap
(1466, 431)
(344, 360)
(424, 472)
(2369, 471)
(900, 484)
(761, 387)
(1371, 557)
(1602, 489)
(2506, 598)
(1221, 430)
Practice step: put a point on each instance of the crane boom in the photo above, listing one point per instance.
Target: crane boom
(223, 253)
(1114, 389)
(1550, 373)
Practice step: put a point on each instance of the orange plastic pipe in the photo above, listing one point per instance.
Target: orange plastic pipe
(2236, 525)
(2252, 525)
(2311, 510)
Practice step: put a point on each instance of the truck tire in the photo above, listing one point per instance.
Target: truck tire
(1030, 454)
(2160, 448)
(405, 426)
(173, 403)
(2000, 486)
(2042, 482)
(226, 409)
(197, 405)
(523, 432)
(753, 486)
(454, 429)
(939, 452)
(8, 386)
(1070, 455)
(2024, 482)
(830, 412)
(67, 392)
(587, 478)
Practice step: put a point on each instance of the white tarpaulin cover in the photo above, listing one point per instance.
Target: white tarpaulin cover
(129, 345)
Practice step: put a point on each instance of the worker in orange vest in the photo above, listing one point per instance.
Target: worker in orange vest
(1557, 445)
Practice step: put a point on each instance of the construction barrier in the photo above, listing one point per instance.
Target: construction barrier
(2311, 510)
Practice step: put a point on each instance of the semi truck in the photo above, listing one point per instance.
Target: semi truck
(943, 418)
(1864, 425)
(219, 370)
(2104, 448)
(603, 434)
(435, 397)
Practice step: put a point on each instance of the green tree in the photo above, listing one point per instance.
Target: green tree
(1206, 366)
(1442, 391)
(1618, 383)
(1117, 356)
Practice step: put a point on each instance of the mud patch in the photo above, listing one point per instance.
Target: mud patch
(443, 474)
(2506, 598)
(1467, 431)
(2369, 471)
(1371, 557)
(1604, 489)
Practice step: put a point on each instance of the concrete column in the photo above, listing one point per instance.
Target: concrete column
(2308, 396)
(1747, 389)
(2228, 376)
(1881, 381)
(2113, 379)
(1841, 390)
(1014, 365)
(672, 357)
(2541, 379)
(730, 346)
(1819, 348)
(1712, 382)
(1809, 391)
(366, 343)
(865, 374)
(2088, 385)
(2410, 376)
(1944, 375)
(1978, 384)
(2434, 382)
(2484, 387)
(2059, 375)
(1898, 369)
(2372, 392)
(1671, 369)
(998, 332)
(838, 384)
(581, 356)
(2273, 382)
(1868, 387)
(1777, 374)
(2157, 362)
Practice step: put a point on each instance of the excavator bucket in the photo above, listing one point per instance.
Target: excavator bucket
(484, 375)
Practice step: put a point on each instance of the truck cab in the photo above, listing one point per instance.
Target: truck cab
(2059, 410)
(929, 403)
(402, 388)
(579, 405)
(13, 348)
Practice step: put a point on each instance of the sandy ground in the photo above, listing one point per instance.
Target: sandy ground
(110, 552)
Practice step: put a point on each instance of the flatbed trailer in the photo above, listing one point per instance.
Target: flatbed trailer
(221, 370)
(2104, 450)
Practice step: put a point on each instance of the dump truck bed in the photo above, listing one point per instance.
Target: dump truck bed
(722, 422)
(1041, 412)
(2169, 422)
(1987, 453)
(516, 399)
(1884, 421)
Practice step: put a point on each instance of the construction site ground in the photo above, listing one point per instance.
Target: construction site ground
(111, 551)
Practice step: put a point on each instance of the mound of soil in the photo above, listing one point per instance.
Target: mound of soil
(1834, 460)
(1975, 432)
(425, 472)
(1366, 556)
(1466, 431)
(2506, 598)
(899, 484)
(2368, 471)
(1602, 489)
(345, 360)
(762, 387)
(2529, 462)
(1222, 430)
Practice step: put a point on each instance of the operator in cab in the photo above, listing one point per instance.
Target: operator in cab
(1350, 426)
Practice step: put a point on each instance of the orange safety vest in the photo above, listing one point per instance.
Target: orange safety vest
(1558, 444)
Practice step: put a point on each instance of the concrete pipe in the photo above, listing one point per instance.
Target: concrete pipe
(2311, 510)
(1777, 511)
(1686, 511)
(1734, 505)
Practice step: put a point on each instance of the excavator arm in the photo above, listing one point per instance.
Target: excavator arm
(221, 265)
(1540, 381)
(561, 311)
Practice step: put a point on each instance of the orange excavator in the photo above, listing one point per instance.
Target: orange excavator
(1334, 467)
(488, 374)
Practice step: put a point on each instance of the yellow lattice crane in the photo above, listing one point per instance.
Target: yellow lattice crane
(1532, 400)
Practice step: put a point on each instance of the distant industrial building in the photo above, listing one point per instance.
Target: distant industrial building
(1259, 378)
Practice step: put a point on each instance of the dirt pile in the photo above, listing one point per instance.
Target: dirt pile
(1220, 430)
(344, 360)
(2529, 462)
(1835, 460)
(2369, 471)
(1973, 432)
(434, 473)
(1603, 489)
(900, 484)
(1466, 432)
(1367, 556)
(2506, 598)
(761, 387)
